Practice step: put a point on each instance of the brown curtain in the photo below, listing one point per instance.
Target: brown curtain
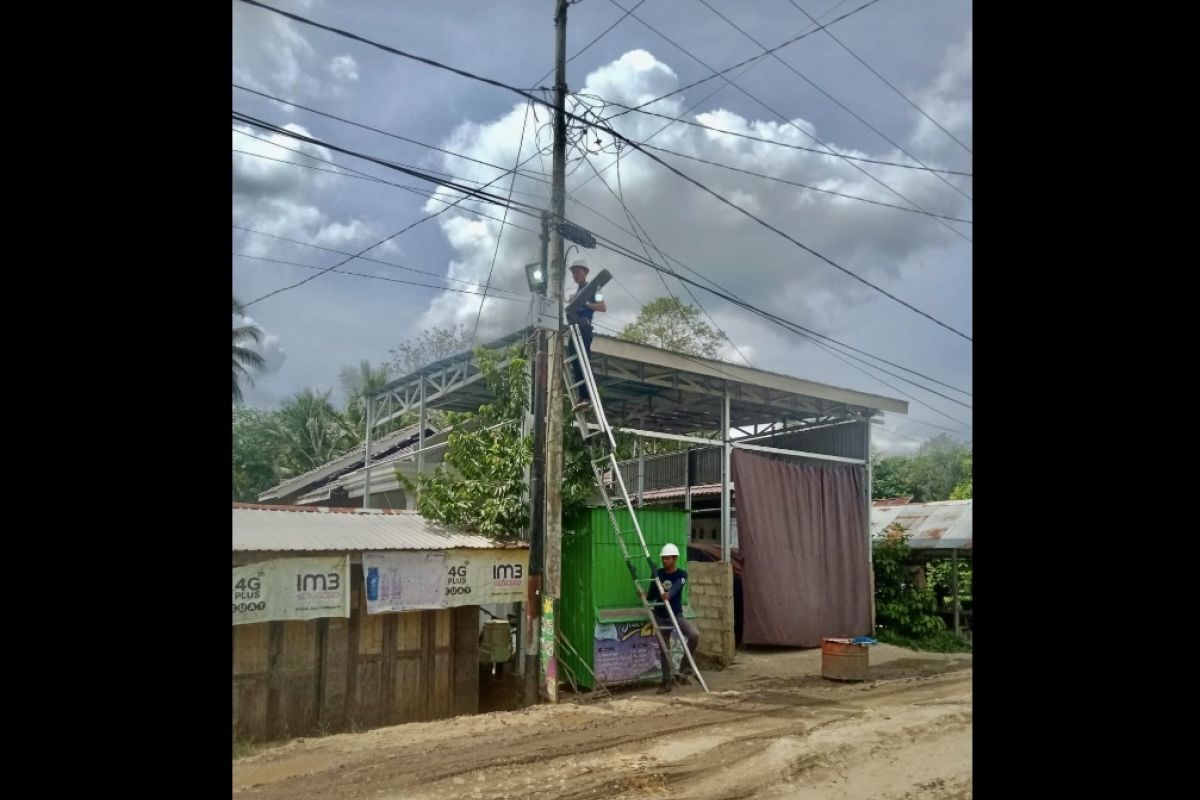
(802, 533)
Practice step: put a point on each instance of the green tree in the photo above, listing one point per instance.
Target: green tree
(890, 478)
(964, 488)
(673, 325)
(480, 486)
(901, 608)
(256, 450)
(432, 345)
(363, 379)
(244, 358)
(309, 431)
(939, 573)
(941, 467)
(358, 382)
(937, 468)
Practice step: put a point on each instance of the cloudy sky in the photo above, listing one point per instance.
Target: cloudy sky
(922, 47)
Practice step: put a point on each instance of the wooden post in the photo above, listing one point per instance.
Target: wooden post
(954, 584)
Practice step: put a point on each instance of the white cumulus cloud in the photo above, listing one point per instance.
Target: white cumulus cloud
(344, 68)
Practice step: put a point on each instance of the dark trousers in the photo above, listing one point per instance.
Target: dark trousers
(690, 632)
(585, 333)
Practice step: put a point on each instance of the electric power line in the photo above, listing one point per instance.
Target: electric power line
(875, 72)
(752, 60)
(500, 233)
(542, 179)
(897, 389)
(365, 258)
(426, 176)
(400, 232)
(788, 325)
(584, 49)
(823, 346)
(349, 172)
(828, 151)
(323, 270)
(919, 421)
(791, 326)
(636, 235)
(804, 185)
(611, 132)
(634, 224)
(903, 436)
(752, 63)
(833, 99)
(786, 121)
(366, 127)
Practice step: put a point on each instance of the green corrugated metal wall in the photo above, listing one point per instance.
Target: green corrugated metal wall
(594, 575)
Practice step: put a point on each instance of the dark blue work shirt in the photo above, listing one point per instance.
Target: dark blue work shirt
(584, 313)
(673, 583)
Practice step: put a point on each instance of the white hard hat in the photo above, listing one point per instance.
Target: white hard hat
(579, 262)
(669, 550)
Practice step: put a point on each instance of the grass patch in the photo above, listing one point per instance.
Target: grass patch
(243, 748)
(941, 642)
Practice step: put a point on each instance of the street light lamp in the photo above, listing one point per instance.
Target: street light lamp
(536, 278)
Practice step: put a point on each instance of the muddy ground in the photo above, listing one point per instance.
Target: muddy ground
(771, 728)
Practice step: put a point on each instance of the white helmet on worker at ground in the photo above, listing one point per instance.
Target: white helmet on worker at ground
(669, 550)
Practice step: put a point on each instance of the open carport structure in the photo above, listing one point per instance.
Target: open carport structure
(659, 394)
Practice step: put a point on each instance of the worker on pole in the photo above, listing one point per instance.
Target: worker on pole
(579, 272)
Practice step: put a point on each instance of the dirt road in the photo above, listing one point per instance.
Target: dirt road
(772, 728)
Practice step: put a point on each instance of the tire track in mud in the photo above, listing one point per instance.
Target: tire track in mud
(779, 712)
(745, 765)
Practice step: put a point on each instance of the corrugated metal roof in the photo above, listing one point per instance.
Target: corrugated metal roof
(283, 528)
(892, 501)
(637, 351)
(344, 461)
(725, 370)
(678, 492)
(383, 473)
(929, 526)
(623, 373)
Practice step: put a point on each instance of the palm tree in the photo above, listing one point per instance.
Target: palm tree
(360, 382)
(244, 358)
(310, 432)
(363, 380)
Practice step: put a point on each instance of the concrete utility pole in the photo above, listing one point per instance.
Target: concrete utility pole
(551, 577)
(537, 487)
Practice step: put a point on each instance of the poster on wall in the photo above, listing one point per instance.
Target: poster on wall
(476, 577)
(413, 580)
(291, 589)
(627, 652)
(404, 580)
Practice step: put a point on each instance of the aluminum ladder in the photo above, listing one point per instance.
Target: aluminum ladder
(602, 446)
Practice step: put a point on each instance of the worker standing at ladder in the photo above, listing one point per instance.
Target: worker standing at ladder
(673, 580)
(579, 271)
